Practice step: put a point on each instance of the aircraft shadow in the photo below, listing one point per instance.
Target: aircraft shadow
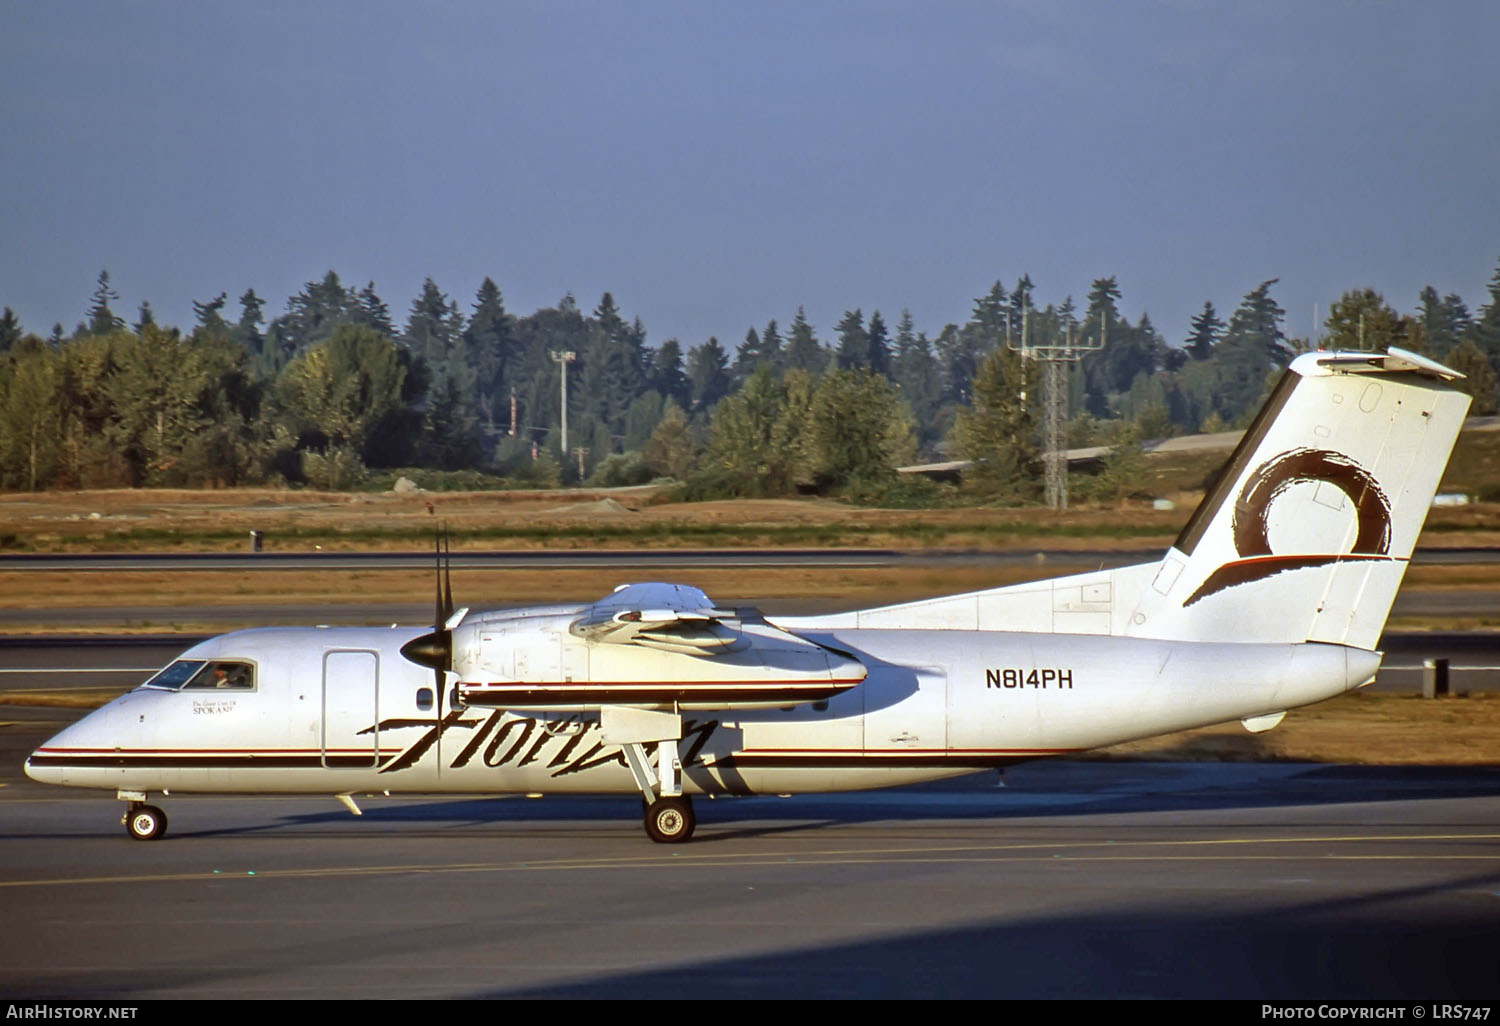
(1058, 788)
(1362, 948)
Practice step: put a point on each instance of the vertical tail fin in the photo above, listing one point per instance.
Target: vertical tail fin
(1308, 531)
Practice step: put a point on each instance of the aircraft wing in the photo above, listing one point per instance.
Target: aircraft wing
(671, 617)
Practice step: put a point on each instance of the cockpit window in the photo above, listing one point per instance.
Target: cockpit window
(200, 674)
(175, 675)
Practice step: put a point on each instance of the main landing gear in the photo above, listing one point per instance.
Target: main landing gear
(670, 820)
(668, 812)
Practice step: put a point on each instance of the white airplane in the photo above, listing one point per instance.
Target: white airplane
(1273, 596)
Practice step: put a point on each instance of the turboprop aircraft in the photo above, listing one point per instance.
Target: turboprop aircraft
(1273, 596)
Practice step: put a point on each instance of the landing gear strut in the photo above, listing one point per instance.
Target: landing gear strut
(668, 812)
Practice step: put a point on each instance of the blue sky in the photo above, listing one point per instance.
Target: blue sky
(717, 164)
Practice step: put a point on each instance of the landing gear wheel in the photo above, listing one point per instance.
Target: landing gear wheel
(670, 820)
(145, 822)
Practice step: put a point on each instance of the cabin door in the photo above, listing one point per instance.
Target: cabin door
(351, 708)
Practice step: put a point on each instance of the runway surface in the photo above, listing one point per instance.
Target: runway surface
(1083, 880)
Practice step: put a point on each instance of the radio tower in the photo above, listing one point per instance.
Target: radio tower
(1055, 358)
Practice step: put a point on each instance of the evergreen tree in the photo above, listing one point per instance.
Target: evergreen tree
(1205, 333)
(311, 316)
(1020, 301)
(991, 318)
(1478, 378)
(998, 432)
(1361, 320)
(1444, 321)
(879, 353)
(854, 342)
(667, 375)
(803, 350)
(490, 344)
(640, 419)
(247, 329)
(671, 451)
(145, 317)
(210, 314)
(627, 343)
(915, 372)
(371, 311)
(1484, 332)
(604, 392)
(450, 432)
(771, 346)
(747, 357)
(433, 328)
(1103, 313)
(708, 374)
(10, 330)
(1250, 351)
(102, 319)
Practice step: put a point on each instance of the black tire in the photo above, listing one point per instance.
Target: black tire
(670, 820)
(145, 822)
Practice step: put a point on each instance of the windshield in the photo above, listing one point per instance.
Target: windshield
(175, 675)
(200, 673)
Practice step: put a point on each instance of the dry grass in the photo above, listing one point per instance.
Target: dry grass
(1363, 727)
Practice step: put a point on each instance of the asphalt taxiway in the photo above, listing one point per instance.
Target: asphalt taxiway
(1063, 879)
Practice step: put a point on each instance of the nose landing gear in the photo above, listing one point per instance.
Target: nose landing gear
(144, 822)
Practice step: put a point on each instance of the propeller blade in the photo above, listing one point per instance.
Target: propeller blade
(447, 575)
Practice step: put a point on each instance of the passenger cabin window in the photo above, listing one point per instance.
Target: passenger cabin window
(205, 675)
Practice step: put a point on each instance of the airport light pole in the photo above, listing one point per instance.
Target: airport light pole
(562, 359)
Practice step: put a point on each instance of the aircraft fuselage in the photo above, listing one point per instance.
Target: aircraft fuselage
(338, 710)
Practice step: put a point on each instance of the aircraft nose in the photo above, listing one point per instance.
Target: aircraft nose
(37, 767)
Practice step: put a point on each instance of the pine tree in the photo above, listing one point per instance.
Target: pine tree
(311, 316)
(998, 432)
(1478, 378)
(10, 330)
(991, 318)
(747, 357)
(803, 350)
(667, 375)
(1206, 331)
(670, 450)
(145, 317)
(102, 319)
(914, 371)
(209, 314)
(708, 374)
(1484, 332)
(434, 333)
(879, 351)
(1360, 319)
(1444, 321)
(854, 342)
(1249, 352)
(247, 330)
(371, 311)
(490, 344)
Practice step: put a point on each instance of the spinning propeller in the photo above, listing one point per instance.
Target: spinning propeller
(435, 650)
